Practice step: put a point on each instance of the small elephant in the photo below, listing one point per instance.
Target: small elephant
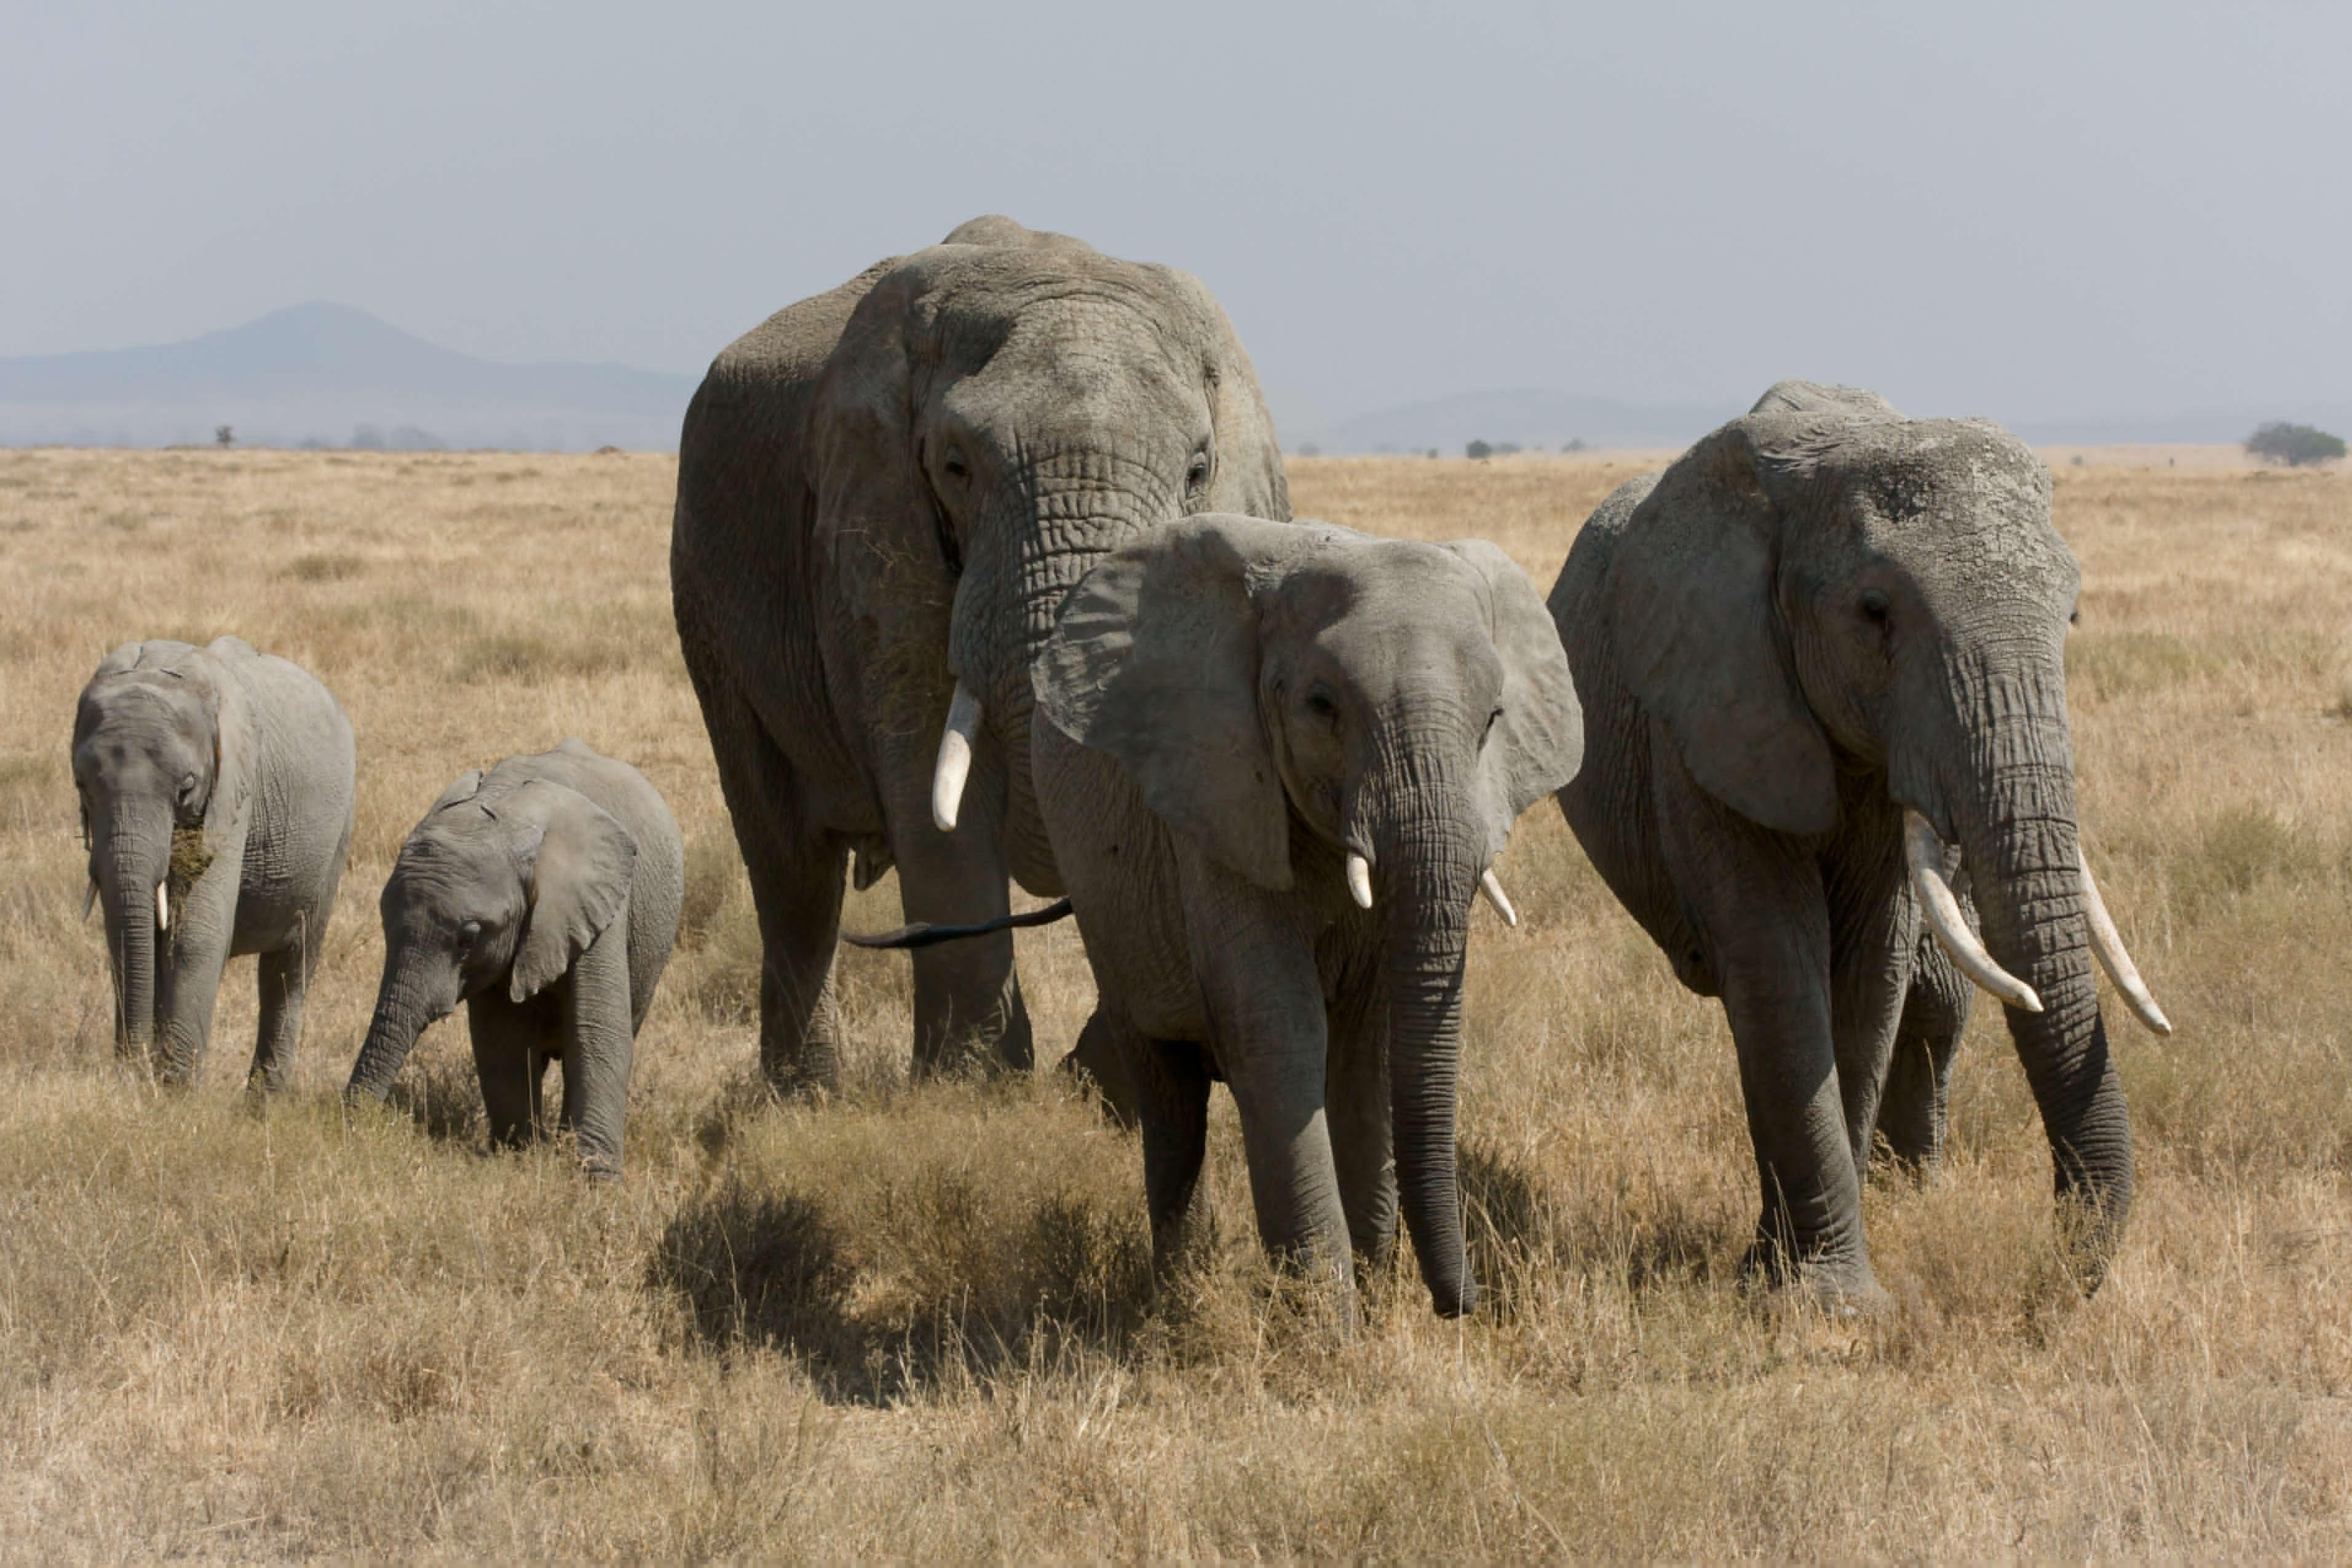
(216, 789)
(1278, 761)
(544, 895)
(1823, 657)
(884, 491)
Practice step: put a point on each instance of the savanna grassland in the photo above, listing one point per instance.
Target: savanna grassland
(916, 1322)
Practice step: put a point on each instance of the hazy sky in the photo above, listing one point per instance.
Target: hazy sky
(2022, 210)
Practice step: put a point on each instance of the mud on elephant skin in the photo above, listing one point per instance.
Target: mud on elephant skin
(217, 790)
(883, 493)
(1278, 761)
(544, 895)
(1822, 662)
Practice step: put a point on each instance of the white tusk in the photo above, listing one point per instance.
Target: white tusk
(89, 897)
(955, 758)
(1492, 886)
(1924, 852)
(2108, 944)
(1359, 879)
(162, 909)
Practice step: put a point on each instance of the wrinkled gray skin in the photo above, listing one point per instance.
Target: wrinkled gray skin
(544, 895)
(226, 776)
(893, 485)
(1822, 613)
(1226, 706)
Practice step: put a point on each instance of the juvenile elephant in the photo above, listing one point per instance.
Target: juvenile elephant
(1819, 655)
(544, 895)
(1277, 761)
(217, 790)
(884, 492)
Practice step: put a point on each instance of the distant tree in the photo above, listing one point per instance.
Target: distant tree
(1574, 444)
(1479, 450)
(1310, 449)
(223, 435)
(1433, 451)
(367, 439)
(2293, 445)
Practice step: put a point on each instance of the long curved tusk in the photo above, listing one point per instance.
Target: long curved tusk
(2107, 946)
(1925, 853)
(955, 758)
(162, 909)
(1492, 886)
(88, 897)
(1359, 879)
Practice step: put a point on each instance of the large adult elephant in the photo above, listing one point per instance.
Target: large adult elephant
(883, 493)
(216, 789)
(1278, 760)
(1819, 655)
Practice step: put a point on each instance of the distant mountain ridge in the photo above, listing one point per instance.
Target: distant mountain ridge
(326, 373)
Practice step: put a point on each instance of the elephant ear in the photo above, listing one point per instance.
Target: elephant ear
(578, 861)
(468, 784)
(1154, 661)
(1538, 743)
(1690, 602)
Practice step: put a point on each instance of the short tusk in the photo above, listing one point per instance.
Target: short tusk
(88, 897)
(1924, 852)
(1492, 886)
(2108, 944)
(162, 909)
(955, 758)
(1359, 879)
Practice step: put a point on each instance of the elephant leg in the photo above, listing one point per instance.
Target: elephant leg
(510, 1060)
(796, 874)
(1356, 1093)
(285, 981)
(1914, 1115)
(1872, 928)
(1756, 902)
(187, 986)
(597, 1045)
(1170, 1079)
(1253, 963)
(1103, 1061)
(968, 1002)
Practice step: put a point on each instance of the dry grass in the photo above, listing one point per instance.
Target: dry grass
(917, 1322)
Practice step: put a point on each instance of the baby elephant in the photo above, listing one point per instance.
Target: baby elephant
(216, 789)
(544, 895)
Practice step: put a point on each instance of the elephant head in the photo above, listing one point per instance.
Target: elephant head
(496, 887)
(1283, 691)
(1040, 403)
(1824, 586)
(149, 762)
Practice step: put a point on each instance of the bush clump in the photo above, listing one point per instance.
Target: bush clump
(2293, 445)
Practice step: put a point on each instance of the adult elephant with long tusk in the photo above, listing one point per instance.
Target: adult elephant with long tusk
(1822, 663)
(883, 493)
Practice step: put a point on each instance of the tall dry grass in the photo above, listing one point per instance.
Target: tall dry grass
(917, 1321)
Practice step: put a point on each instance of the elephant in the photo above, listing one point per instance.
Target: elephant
(1277, 761)
(884, 492)
(217, 788)
(1823, 657)
(544, 894)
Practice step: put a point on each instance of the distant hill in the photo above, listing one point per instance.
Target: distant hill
(335, 377)
(1527, 418)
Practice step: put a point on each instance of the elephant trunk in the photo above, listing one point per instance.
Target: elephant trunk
(404, 1006)
(1428, 864)
(2019, 841)
(131, 857)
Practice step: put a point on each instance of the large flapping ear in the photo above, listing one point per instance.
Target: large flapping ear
(1538, 743)
(1154, 659)
(578, 861)
(1690, 602)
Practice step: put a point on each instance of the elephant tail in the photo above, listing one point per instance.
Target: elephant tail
(922, 933)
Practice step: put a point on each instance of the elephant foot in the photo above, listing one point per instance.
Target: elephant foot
(1841, 1287)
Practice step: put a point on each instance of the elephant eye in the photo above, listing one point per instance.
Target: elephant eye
(1198, 474)
(1875, 605)
(1319, 703)
(187, 787)
(468, 934)
(956, 465)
